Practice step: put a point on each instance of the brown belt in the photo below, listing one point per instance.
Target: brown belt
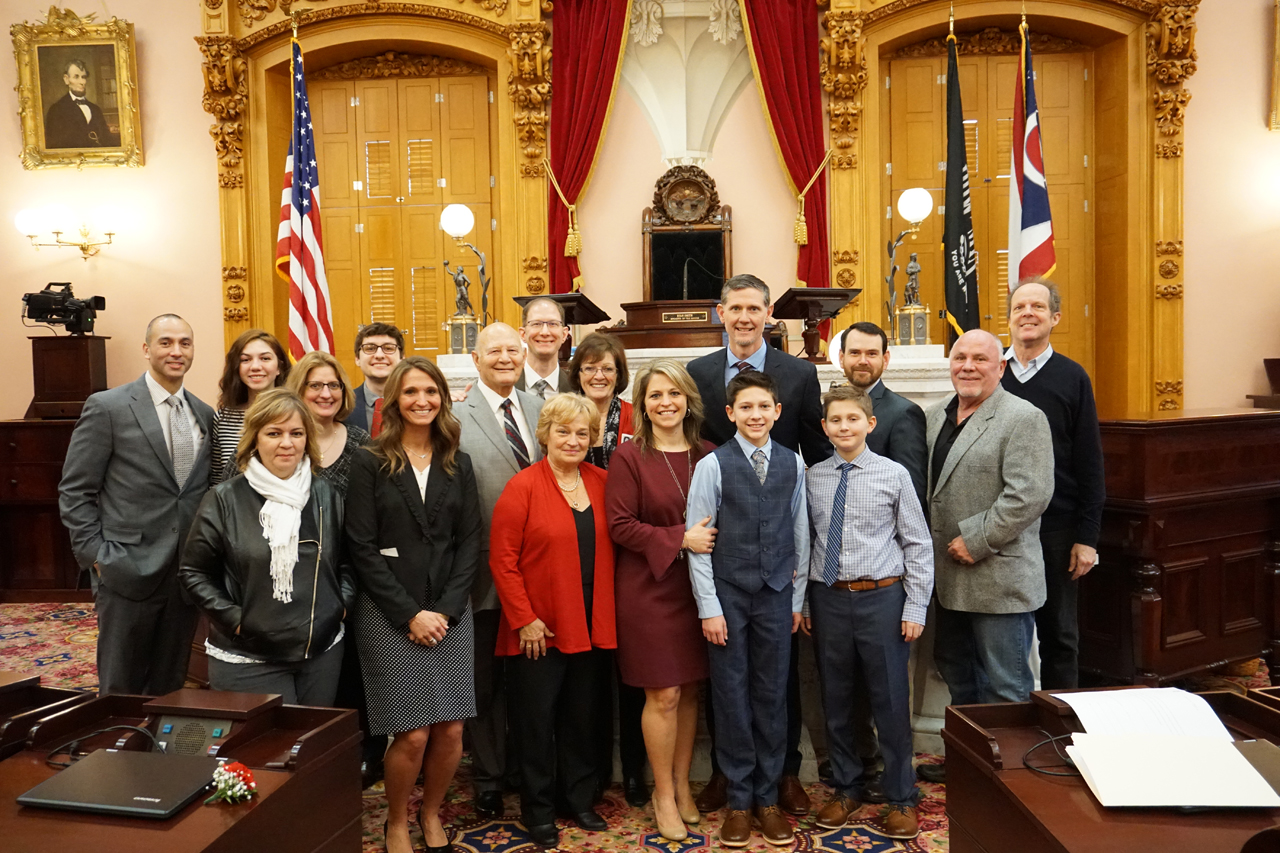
(863, 586)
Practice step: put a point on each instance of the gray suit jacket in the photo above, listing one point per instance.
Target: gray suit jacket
(485, 440)
(118, 497)
(996, 482)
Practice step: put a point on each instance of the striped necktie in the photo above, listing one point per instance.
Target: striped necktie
(761, 465)
(375, 428)
(835, 529)
(513, 435)
(183, 444)
(743, 366)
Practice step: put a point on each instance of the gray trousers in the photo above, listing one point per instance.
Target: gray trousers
(488, 728)
(143, 646)
(311, 682)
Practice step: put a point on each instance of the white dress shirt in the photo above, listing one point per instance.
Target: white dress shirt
(495, 401)
(1024, 372)
(531, 378)
(159, 396)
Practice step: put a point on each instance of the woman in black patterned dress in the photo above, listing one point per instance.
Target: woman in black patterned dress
(322, 384)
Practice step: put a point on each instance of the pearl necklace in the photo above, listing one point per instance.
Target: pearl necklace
(573, 502)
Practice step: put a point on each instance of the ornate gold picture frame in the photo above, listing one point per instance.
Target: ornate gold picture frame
(77, 91)
(1275, 74)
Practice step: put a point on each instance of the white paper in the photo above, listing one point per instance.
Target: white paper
(389, 552)
(1159, 711)
(1168, 770)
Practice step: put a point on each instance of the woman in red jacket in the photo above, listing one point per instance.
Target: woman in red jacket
(557, 615)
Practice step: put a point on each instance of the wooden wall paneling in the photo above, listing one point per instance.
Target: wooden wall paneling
(465, 142)
(333, 116)
(379, 141)
(419, 143)
(428, 293)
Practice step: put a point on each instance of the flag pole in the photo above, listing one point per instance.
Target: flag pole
(951, 22)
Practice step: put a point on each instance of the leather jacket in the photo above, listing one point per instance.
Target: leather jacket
(226, 569)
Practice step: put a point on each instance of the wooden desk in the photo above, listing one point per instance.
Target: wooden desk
(306, 762)
(1190, 547)
(23, 701)
(996, 805)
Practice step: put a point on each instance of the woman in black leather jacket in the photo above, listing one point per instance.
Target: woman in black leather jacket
(264, 561)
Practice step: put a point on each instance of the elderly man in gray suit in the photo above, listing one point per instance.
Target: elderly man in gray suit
(990, 478)
(498, 427)
(136, 469)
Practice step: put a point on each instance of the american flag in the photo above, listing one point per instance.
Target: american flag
(299, 258)
(1030, 224)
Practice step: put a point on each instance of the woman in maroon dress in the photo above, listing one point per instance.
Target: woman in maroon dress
(660, 643)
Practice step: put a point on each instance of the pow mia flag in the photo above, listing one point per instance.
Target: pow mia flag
(960, 256)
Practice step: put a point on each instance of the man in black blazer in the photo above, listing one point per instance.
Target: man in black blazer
(543, 331)
(136, 469)
(74, 121)
(379, 347)
(745, 310)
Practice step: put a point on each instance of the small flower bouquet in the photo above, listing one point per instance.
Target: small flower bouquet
(233, 783)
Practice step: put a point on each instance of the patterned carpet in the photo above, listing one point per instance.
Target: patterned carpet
(57, 642)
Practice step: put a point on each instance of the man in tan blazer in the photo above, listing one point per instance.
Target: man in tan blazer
(990, 478)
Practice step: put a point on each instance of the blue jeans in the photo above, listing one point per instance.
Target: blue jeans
(983, 656)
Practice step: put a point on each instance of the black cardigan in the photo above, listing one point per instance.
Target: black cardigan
(436, 540)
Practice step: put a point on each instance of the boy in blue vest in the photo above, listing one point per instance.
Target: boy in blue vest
(750, 592)
(870, 578)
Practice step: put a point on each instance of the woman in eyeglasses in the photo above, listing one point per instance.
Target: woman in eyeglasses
(322, 384)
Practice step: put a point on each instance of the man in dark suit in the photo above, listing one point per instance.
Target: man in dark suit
(499, 424)
(136, 469)
(899, 434)
(379, 347)
(74, 121)
(745, 310)
(543, 331)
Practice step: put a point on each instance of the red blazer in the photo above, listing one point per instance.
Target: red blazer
(626, 426)
(534, 559)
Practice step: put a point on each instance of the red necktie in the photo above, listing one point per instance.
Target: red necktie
(376, 426)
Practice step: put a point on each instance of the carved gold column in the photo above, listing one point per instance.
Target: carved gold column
(1171, 59)
(529, 87)
(226, 96)
(842, 53)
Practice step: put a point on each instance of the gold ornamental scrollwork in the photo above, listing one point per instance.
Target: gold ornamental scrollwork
(1146, 7)
(213, 4)
(235, 315)
(1169, 269)
(533, 263)
(235, 292)
(1171, 42)
(992, 41)
(1173, 386)
(1171, 110)
(529, 86)
(1169, 405)
(226, 93)
(846, 256)
(392, 64)
(229, 273)
(842, 61)
(846, 278)
(375, 7)
(535, 284)
(1168, 291)
(1169, 247)
(1168, 150)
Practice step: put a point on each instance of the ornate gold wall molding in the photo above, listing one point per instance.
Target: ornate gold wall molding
(529, 86)
(844, 256)
(1171, 39)
(1146, 7)
(1169, 247)
(226, 94)
(375, 8)
(392, 64)
(1168, 291)
(533, 263)
(535, 284)
(843, 59)
(992, 41)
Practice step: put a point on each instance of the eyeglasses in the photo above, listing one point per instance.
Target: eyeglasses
(549, 325)
(388, 349)
(317, 387)
(606, 372)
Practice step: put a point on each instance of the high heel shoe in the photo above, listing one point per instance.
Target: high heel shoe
(689, 814)
(672, 832)
(447, 847)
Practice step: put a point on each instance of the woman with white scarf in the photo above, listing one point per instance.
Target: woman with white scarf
(264, 562)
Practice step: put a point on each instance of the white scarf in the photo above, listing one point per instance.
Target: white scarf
(281, 519)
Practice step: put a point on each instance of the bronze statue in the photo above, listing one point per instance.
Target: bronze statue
(462, 293)
(912, 295)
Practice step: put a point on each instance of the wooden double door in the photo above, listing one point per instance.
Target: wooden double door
(918, 152)
(392, 153)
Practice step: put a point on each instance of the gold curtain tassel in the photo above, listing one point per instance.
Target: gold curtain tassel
(573, 239)
(802, 227)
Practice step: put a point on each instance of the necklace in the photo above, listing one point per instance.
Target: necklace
(572, 490)
(426, 455)
(327, 446)
(684, 501)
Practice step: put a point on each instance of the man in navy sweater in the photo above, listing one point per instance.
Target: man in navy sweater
(1060, 388)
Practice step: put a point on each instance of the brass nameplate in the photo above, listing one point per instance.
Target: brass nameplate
(684, 316)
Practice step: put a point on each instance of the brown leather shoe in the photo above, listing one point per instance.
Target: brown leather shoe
(792, 796)
(715, 795)
(736, 829)
(901, 822)
(836, 812)
(774, 826)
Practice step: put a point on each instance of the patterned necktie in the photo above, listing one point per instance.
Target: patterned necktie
(835, 529)
(513, 436)
(376, 427)
(541, 387)
(743, 365)
(184, 445)
(761, 464)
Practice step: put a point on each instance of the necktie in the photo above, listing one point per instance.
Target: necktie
(742, 365)
(541, 387)
(761, 464)
(513, 436)
(183, 444)
(376, 427)
(835, 529)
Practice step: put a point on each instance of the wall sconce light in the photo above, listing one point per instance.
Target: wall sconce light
(34, 223)
(457, 220)
(914, 205)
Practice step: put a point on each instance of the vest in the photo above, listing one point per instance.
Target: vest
(755, 545)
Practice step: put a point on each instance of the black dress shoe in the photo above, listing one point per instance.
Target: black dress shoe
(824, 772)
(489, 804)
(635, 791)
(544, 834)
(590, 821)
(873, 790)
(936, 773)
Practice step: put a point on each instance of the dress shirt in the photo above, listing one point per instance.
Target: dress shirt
(495, 401)
(1021, 373)
(883, 535)
(83, 104)
(370, 403)
(532, 378)
(704, 500)
(159, 397)
(756, 360)
(947, 436)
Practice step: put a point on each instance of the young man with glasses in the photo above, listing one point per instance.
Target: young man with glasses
(379, 347)
(543, 331)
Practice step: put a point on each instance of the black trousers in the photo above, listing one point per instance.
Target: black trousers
(555, 705)
(630, 706)
(488, 729)
(1057, 625)
(143, 646)
(792, 757)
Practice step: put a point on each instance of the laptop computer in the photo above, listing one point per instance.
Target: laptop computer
(127, 783)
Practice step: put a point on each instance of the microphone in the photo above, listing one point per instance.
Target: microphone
(686, 278)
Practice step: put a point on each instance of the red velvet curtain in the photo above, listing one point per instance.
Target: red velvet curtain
(586, 43)
(783, 35)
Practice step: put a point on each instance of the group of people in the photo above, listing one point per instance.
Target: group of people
(486, 562)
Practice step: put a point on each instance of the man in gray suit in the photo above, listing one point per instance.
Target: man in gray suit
(498, 426)
(136, 469)
(990, 479)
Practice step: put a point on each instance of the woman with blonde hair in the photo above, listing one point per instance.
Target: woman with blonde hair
(262, 561)
(660, 642)
(413, 532)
